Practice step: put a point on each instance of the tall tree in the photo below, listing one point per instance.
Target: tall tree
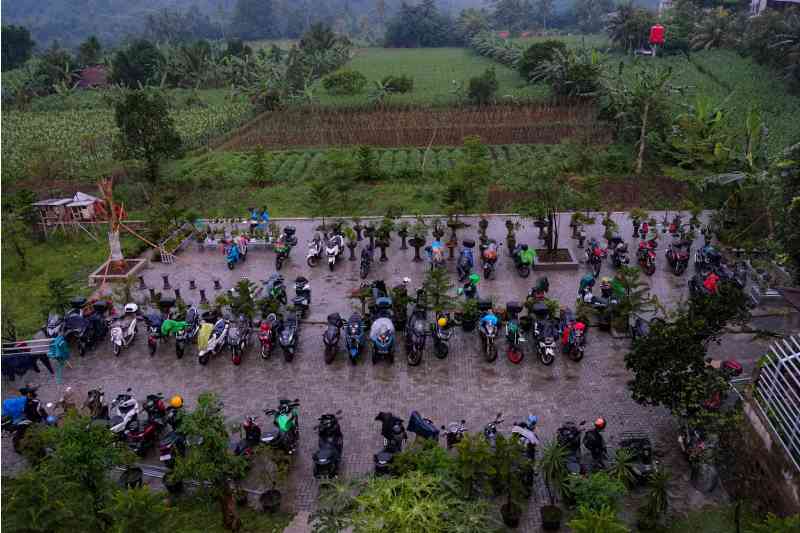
(17, 46)
(147, 130)
(136, 65)
(590, 14)
(628, 26)
(254, 19)
(545, 8)
(89, 51)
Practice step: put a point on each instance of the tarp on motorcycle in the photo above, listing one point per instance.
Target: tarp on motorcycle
(203, 335)
(172, 326)
(526, 434)
(380, 327)
(417, 424)
(75, 323)
(15, 408)
(154, 319)
(59, 349)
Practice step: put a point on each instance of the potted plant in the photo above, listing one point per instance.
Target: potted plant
(637, 215)
(383, 233)
(351, 244)
(553, 468)
(369, 231)
(402, 231)
(357, 227)
(508, 460)
(418, 233)
(511, 236)
(438, 229)
(483, 225)
(610, 225)
(274, 471)
(469, 314)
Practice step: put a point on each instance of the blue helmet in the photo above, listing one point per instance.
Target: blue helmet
(51, 420)
(532, 420)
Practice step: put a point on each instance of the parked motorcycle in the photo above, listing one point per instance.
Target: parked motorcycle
(696, 443)
(314, 251)
(331, 336)
(367, 257)
(141, 436)
(646, 256)
(382, 332)
(95, 406)
(441, 333)
(20, 413)
(124, 410)
(573, 335)
(354, 337)
(545, 331)
(594, 256)
(707, 258)
(266, 335)
(86, 330)
(302, 296)
(217, 340)
(454, 433)
(416, 330)
(436, 255)
(523, 260)
(275, 289)
(252, 438)
(286, 434)
(238, 339)
(678, 256)
(394, 434)
(422, 427)
(568, 437)
(284, 245)
(490, 430)
(189, 333)
(334, 249)
(54, 326)
(514, 337)
(232, 256)
(641, 449)
(619, 251)
(489, 257)
(154, 322)
(487, 330)
(331, 443)
(288, 335)
(122, 334)
(466, 260)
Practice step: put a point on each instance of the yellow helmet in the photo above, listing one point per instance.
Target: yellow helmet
(442, 322)
(176, 401)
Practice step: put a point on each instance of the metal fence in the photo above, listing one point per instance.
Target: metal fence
(777, 394)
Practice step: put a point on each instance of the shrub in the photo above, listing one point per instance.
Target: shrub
(398, 84)
(596, 491)
(482, 89)
(538, 53)
(344, 82)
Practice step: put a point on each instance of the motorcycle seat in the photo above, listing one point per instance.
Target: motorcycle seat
(326, 454)
(383, 458)
(271, 436)
(422, 427)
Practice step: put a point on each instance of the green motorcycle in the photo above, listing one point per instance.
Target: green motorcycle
(286, 433)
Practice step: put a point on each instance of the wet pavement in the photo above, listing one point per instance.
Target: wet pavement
(462, 386)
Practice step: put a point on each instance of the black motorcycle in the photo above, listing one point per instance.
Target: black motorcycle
(487, 332)
(329, 455)
(188, 334)
(89, 330)
(286, 433)
(154, 322)
(32, 413)
(707, 258)
(641, 450)
(54, 326)
(239, 334)
(619, 251)
(466, 260)
(441, 336)
(490, 430)
(331, 337)
(678, 256)
(288, 330)
(422, 427)
(454, 433)
(284, 246)
(354, 337)
(302, 296)
(275, 289)
(568, 437)
(394, 434)
(545, 331)
(367, 257)
(416, 331)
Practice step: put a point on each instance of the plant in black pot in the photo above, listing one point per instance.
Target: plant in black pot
(383, 234)
(553, 468)
(509, 463)
(637, 215)
(358, 227)
(437, 286)
(469, 313)
(402, 232)
(419, 231)
(352, 242)
(438, 229)
(483, 226)
(455, 224)
(369, 232)
(273, 471)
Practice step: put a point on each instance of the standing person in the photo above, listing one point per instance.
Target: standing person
(264, 218)
(254, 218)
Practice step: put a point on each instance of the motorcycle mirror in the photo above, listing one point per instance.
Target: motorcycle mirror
(463, 422)
(49, 405)
(443, 428)
(339, 412)
(128, 389)
(583, 422)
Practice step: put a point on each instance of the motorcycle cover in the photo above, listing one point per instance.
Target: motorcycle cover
(59, 349)
(15, 408)
(154, 319)
(172, 326)
(76, 323)
(379, 327)
(203, 335)
(233, 254)
(417, 424)
(526, 434)
(527, 257)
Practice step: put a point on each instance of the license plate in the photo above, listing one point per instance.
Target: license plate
(166, 457)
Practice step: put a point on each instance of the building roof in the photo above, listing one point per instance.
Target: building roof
(82, 199)
(53, 202)
(94, 76)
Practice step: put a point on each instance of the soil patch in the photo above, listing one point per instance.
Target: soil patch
(560, 255)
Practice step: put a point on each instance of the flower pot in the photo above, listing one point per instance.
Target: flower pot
(511, 513)
(271, 501)
(468, 323)
(551, 517)
(351, 246)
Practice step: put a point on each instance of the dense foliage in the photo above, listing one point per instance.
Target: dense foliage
(538, 53)
(344, 82)
(17, 46)
(420, 26)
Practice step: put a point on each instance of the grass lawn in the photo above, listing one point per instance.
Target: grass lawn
(191, 516)
(433, 71)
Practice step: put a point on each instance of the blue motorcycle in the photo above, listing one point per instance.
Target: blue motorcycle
(382, 332)
(466, 260)
(354, 336)
(233, 256)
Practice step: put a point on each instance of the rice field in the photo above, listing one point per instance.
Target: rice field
(593, 40)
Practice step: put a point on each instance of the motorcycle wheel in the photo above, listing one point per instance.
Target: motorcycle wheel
(82, 348)
(515, 354)
(278, 263)
(650, 269)
(680, 268)
(575, 354)
(596, 268)
(236, 356)
(489, 352)
(288, 355)
(330, 266)
(364, 271)
(117, 349)
(487, 272)
(414, 357)
(230, 265)
(442, 349)
(524, 271)
(390, 356)
(330, 353)
(546, 360)
(312, 261)
(203, 359)
(179, 350)
(152, 347)
(375, 356)
(265, 353)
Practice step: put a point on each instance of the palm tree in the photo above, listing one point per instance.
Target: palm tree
(786, 44)
(714, 31)
(628, 25)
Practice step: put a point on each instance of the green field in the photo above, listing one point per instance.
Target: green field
(593, 40)
(434, 71)
(75, 132)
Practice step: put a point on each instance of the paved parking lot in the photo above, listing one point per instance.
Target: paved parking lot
(461, 386)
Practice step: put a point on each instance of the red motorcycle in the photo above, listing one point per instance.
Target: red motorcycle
(266, 335)
(139, 436)
(647, 257)
(678, 256)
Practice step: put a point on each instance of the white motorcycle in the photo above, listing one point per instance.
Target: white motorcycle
(314, 251)
(217, 341)
(122, 334)
(334, 249)
(126, 409)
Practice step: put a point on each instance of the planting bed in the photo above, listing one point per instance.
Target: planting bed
(507, 124)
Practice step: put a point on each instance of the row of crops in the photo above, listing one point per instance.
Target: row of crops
(71, 143)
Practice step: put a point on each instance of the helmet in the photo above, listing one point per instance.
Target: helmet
(532, 420)
(474, 278)
(524, 246)
(406, 280)
(176, 401)
(600, 423)
(131, 308)
(605, 281)
(51, 420)
(442, 322)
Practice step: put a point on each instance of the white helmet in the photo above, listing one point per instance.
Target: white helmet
(588, 297)
(131, 308)
(406, 280)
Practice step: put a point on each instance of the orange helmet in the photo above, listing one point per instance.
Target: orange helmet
(600, 423)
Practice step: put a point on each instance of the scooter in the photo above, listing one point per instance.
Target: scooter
(706, 258)
(334, 249)
(252, 438)
(487, 332)
(678, 256)
(122, 337)
(522, 262)
(216, 342)
(573, 335)
(302, 296)
(422, 427)
(275, 289)
(331, 443)
(87, 330)
(568, 437)
(54, 326)
(382, 332)
(287, 336)
(646, 256)
(490, 430)
(619, 251)
(141, 437)
(454, 433)
(154, 322)
(546, 332)
(594, 256)
(394, 434)
(367, 256)
(514, 336)
(489, 257)
(331, 337)
(238, 339)
(19, 414)
(266, 335)
(416, 331)
(354, 337)
(286, 434)
(466, 260)
(441, 336)
(232, 256)
(95, 405)
(125, 409)
(284, 246)
(189, 333)
(314, 251)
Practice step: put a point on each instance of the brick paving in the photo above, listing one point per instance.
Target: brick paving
(461, 386)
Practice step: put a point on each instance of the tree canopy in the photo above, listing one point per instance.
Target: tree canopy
(17, 46)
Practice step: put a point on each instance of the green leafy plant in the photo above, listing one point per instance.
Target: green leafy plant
(424, 455)
(437, 285)
(398, 84)
(482, 89)
(597, 520)
(137, 510)
(596, 491)
(776, 524)
(344, 81)
(622, 467)
(473, 465)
